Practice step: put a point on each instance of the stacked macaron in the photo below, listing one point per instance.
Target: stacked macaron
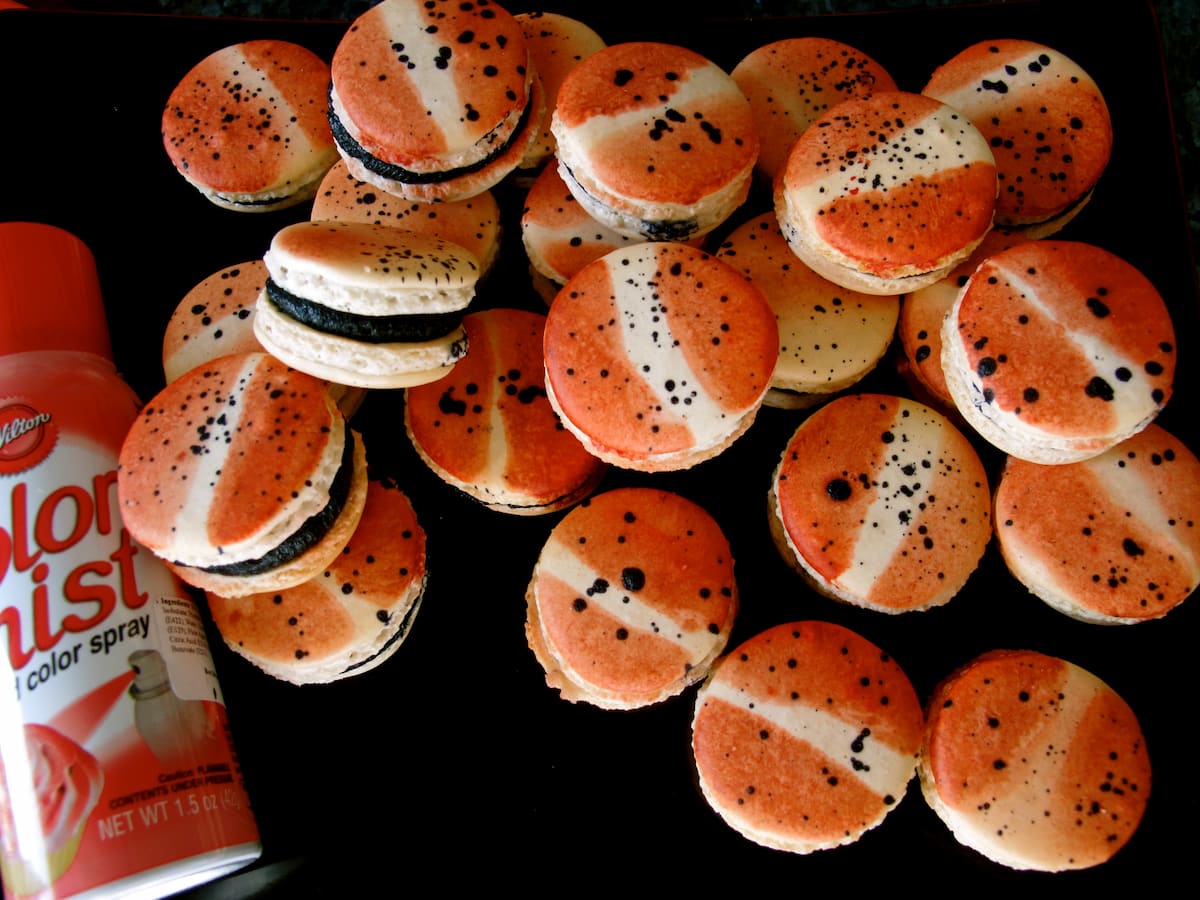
(433, 99)
(214, 318)
(365, 305)
(247, 126)
(243, 475)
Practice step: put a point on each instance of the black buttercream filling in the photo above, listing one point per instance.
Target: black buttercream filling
(654, 229)
(394, 172)
(407, 328)
(309, 534)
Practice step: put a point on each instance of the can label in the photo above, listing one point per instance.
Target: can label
(116, 763)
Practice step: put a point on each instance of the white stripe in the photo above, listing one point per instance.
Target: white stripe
(558, 561)
(872, 762)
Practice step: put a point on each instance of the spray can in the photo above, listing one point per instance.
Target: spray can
(117, 772)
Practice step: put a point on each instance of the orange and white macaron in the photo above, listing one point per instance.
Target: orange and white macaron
(632, 598)
(658, 356)
(215, 318)
(488, 428)
(880, 502)
(473, 223)
(806, 736)
(247, 126)
(1046, 121)
(1034, 762)
(433, 100)
(654, 140)
(830, 337)
(1055, 351)
(792, 82)
(349, 618)
(887, 193)
(1110, 539)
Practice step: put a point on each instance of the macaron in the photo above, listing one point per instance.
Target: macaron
(658, 356)
(886, 193)
(366, 305)
(557, 43)
(488, 428)
(632, 598)
(1034, 762)
(349, 618)
(654, 140)
(558, 234)
(806, 736)
(473, 223)
(1055, 351)
(243, 476)
(246, 126)
(922, 312)
(792, 82)
(433, 99)
(1044, 118)
(830, 337)
(880, 502)
(214, 318)
(1107, 540)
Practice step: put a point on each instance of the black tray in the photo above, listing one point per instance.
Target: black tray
(453, 761)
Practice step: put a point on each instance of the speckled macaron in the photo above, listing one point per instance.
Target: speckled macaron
(488, 429)
(632, 598)
(829, 337)
(1046, 121)
(1111, 539)
(348, 619)
(654, 140)
(806, 736)
(365, 305)
(433, 99)
(1034, 762)
(658, 356)
(556, 43)
(1058, 350)
(887, 193)
(214, 318)
(880, 502)
(212, 484)
(559, 236)
(246, 126)
(792, 82)
(922, 312)
(473, 223)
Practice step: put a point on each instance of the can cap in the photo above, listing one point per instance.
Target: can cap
(49, 292)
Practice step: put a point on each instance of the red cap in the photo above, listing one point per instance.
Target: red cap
(49, 292)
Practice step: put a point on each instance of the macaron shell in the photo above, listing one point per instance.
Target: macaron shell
(248, 123)
(473, 223)
(432, 86)
(1056, 350)
(651, 369)
(829, 337)
(342, 621)
(1034, 762)
(644, 125)
(882, 503)
(215, 318)
(892, 185)
(1109, 539)
(488, 427)
(805, 736)
(1043, 116)
(792, 82)
(632, 597)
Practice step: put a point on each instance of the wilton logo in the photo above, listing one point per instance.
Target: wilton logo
(26, 437)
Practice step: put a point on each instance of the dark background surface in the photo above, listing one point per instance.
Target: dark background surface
(453, 764)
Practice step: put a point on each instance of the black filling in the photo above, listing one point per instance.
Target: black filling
(307, 535)
(397, 635)
(408, 328)
(653, 229)
(393, 172)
